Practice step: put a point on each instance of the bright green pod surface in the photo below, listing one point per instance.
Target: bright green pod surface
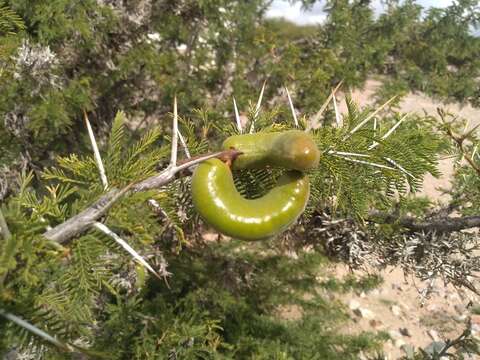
(291, 149)
(220, 204)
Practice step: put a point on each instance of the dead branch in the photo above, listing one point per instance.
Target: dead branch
(442, 225)
(439, 225)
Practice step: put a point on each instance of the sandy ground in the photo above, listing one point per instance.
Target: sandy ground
(411, 321)
(396, 306)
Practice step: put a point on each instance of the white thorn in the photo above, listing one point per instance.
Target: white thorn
(33, 329)
(260, 97)
(324, 106)
(394, 163)
(257, 108)
(96, 152)
(394, 127)
(347, 153)
(337, 113)
(366, 163)
(184, 145)
(127, 247)
(474, 151)
(194, 162)
(389, 132)
(292, 108)
(173, 155)
(374, 133)
(356, 128)
(237, 116)
(467, 124)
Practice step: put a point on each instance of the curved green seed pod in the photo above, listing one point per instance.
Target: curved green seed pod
(220, 204)
(291, 149)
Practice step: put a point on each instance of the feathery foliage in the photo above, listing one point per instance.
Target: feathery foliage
(10, 22)
(93, 281)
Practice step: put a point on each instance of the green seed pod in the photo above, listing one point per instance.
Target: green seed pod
(291, 149)
(220, 204)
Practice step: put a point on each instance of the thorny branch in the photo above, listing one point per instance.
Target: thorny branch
(74, 226)
(81, 222)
